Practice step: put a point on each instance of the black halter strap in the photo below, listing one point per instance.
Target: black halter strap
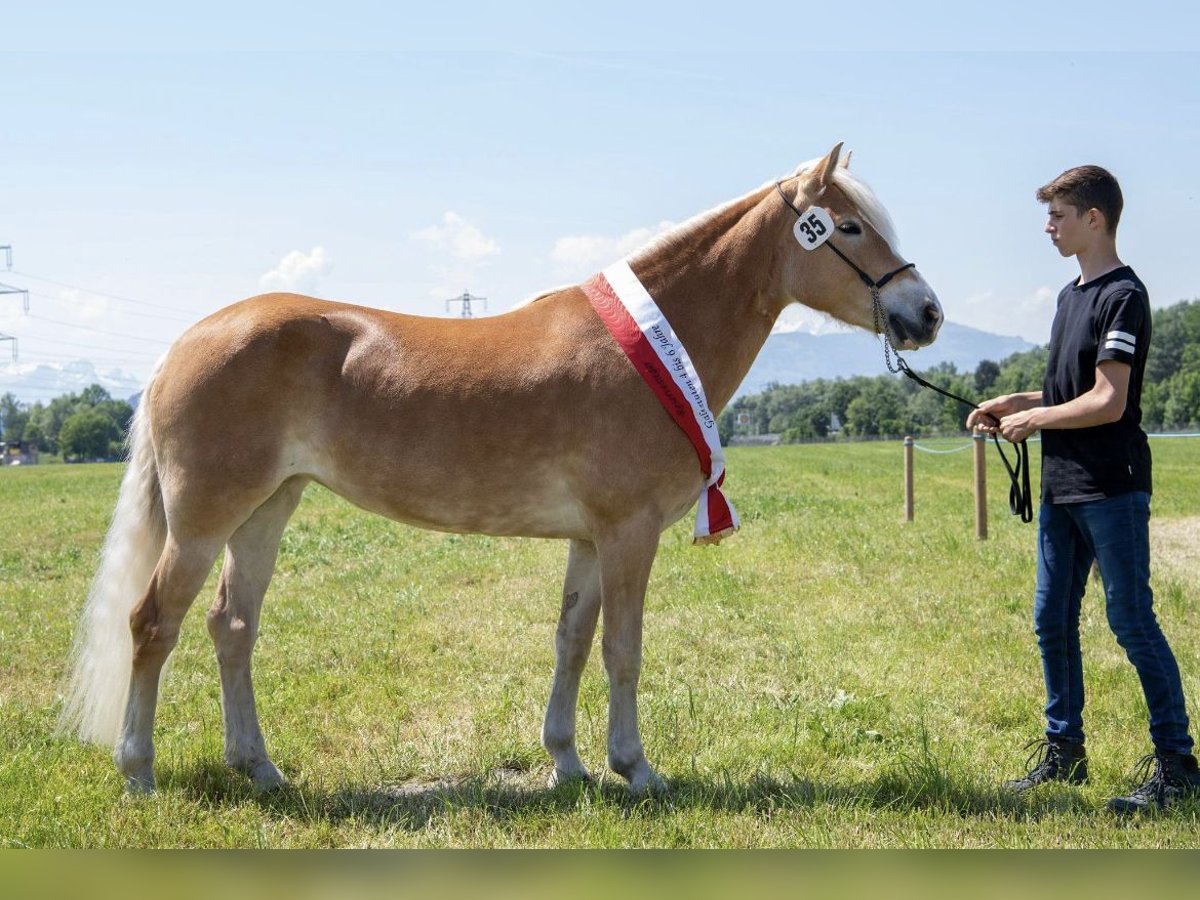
(866, 279)
(1020, 498)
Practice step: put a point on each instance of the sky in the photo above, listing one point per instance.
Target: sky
(153, 171)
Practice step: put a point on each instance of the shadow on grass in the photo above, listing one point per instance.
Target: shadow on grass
(509, 795)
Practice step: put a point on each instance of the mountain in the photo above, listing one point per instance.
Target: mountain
(797, 356)
(34, 383)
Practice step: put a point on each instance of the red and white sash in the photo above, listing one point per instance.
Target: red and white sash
(646, 337)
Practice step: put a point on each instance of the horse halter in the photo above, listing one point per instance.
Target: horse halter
(866, 279)
(1020, 498)
(872, 284)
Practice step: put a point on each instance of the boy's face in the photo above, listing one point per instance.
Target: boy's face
(1067, 227)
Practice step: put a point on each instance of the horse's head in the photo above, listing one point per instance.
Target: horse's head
(839, 252)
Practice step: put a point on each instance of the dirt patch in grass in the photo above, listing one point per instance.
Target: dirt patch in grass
(1175, 547)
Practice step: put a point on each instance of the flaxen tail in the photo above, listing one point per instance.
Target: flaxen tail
(103, 652)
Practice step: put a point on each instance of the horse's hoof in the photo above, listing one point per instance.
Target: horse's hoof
(560, 777)
(139, 786)
(137, 769)
(265, 777)
(649, 786)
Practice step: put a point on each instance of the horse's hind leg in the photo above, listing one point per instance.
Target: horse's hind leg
(233, 624)
(154, 623)
(572, 644)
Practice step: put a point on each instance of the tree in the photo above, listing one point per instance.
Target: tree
(1022, 372)
(1182, 407)
(878, 412)
(122, 414)
(841, 393)
(986, 374)
(13, 418)
(57, 412)
(725, 426)
(931, 413)
(809, 420)
(36, 431)
(88, 435)
(42, 424)
(1175, 329)
(93, 395)
(1154, 401)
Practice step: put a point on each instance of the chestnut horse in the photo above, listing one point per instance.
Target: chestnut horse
(529, 423)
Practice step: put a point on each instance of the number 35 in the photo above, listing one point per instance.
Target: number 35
(812, 227)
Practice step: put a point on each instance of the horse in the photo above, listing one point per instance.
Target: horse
(529, 423)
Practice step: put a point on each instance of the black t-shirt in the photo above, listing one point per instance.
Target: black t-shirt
(1106, 318)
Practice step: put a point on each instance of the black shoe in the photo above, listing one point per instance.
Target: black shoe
(1056, 761)
(1175, 776)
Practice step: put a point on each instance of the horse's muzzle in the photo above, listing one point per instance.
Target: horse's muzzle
(914, 321)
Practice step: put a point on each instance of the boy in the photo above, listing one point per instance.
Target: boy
(1096, 493)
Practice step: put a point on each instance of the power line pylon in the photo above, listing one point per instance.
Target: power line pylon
(466, 300)
(9, 289)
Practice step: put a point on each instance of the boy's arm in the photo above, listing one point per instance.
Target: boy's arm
(1103, 404)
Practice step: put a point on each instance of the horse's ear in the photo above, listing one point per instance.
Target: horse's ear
(827, 166)
(846, 161)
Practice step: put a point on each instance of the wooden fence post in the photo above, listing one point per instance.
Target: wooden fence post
(981, 528)
(908, 478)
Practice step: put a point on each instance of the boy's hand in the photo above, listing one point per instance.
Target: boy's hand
(987, 417)
(1018, 426)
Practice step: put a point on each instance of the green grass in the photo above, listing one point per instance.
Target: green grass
(830, 677)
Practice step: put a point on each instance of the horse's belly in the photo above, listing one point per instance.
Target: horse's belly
(445, 499)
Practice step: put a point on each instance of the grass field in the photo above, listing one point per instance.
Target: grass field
(830, 677)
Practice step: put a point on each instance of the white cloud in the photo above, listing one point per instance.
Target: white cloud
(86, 307)
(298, 271)
(464, 240)
(582, 250)
(581, 254)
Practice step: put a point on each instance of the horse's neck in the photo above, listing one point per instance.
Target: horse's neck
(717, 289)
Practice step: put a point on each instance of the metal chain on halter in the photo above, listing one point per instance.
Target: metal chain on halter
(881, 328)
(1020, 497)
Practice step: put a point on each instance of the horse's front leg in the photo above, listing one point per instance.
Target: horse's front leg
(572, 644)
(625, 561)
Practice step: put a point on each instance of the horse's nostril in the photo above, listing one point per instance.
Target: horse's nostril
(933, 313)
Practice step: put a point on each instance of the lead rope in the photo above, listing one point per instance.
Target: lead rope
(1020, 497)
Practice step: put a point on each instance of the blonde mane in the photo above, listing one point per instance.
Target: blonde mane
(857, 190)
(868, 204)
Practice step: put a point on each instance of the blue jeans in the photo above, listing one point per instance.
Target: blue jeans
(1114, 532)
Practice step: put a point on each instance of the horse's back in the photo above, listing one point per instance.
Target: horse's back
(293, 352)
(463, 425)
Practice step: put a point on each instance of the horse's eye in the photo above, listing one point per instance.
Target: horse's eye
(850, 228)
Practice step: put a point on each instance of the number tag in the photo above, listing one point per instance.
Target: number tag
(813, 228)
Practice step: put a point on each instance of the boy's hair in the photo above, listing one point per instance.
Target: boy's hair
(1087, 187)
